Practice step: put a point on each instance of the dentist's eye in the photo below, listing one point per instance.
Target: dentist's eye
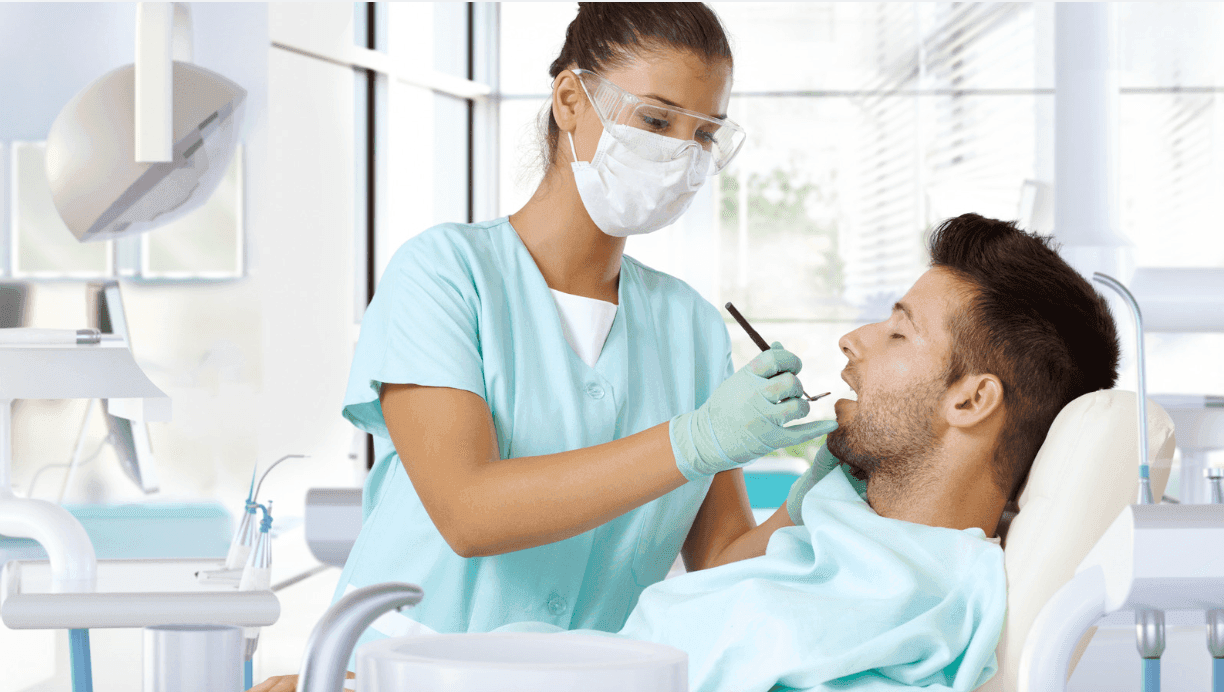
(656, 124)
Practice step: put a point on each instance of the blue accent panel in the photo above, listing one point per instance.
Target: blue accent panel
(1217, 675)
(82, 670)
(162, 530)
(1151, 674)
(768, 490)
(248, 674)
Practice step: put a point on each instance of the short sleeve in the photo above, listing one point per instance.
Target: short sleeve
(422, 327)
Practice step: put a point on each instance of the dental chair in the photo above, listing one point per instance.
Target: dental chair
(1084, 475)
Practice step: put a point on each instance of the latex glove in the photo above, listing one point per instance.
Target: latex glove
(743, 419)
(821, 466)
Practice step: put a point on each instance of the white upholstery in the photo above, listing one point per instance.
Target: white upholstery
(1084, 474)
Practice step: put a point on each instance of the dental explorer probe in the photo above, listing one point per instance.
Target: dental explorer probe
(756, 339)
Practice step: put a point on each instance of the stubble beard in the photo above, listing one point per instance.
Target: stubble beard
(891, 439)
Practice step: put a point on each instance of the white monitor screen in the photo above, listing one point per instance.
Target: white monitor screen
(129, 438)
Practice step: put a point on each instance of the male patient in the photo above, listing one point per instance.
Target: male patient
(891, 580)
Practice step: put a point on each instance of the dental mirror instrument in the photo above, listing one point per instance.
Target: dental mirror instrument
(756, 339)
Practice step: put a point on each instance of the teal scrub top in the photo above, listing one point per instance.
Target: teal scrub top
(465, 306)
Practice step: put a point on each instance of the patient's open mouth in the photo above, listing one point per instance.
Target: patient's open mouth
(850, 394)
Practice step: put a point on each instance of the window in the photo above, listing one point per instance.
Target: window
(417, 157)
(1172, 132)
(421, 144)
(1172, 165)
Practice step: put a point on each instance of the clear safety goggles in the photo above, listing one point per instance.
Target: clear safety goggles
(615, 106)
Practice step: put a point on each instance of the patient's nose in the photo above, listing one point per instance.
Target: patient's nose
(849, 345)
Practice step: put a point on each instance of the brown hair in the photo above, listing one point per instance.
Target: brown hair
(1033, 322)
(605, 34)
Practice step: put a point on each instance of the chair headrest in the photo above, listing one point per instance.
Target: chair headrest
(1084, 475)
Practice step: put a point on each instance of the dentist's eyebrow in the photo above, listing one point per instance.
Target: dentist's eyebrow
(908, 315)
(673, 104)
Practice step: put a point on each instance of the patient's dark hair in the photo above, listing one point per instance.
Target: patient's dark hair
(605, 35)
(1033, 322)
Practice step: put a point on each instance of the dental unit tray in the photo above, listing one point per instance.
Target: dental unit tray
(130, 593)
(1153, 557)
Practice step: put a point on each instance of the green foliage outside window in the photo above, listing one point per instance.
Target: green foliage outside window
(781, 210)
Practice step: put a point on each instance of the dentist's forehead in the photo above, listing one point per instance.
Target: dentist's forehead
(678, 78)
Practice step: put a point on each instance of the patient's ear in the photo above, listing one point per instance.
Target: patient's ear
(972, 400)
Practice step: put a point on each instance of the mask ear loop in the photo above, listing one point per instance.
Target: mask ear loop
(573, 149)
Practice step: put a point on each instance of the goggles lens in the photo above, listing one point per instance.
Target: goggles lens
(615, 106)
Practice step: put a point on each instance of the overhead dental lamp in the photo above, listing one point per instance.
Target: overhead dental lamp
(148, 142)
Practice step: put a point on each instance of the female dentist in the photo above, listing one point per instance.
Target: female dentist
(553, 421)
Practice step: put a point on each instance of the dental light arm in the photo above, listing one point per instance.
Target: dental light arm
(163, 35)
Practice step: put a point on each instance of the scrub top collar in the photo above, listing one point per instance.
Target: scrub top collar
(616, 342)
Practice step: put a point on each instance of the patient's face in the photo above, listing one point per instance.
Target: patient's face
(897, 369)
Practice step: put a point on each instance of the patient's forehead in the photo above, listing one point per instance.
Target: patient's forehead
(935, 298)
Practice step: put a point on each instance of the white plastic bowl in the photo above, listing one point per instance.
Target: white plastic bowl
(520, 661)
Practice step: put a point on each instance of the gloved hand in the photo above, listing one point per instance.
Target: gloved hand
(821, 466)
(743, 419)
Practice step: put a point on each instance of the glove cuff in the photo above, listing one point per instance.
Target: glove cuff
(798, 490)
(680, 430)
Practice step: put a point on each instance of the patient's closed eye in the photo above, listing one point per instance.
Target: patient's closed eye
(898, 336)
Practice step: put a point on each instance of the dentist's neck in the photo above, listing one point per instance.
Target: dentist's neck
(572, 253)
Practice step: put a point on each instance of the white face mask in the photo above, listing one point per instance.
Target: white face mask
(628, 191)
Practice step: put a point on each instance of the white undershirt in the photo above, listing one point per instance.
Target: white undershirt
(585, 323)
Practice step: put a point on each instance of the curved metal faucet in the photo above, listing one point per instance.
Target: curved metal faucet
(333, 638)
(1149, 624)
(1140, 361)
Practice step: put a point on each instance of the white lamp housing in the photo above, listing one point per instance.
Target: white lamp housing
(98, 182)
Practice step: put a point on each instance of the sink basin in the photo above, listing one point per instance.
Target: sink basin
(519, 661)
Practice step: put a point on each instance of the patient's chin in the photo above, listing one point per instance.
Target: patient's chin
(857, 464)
